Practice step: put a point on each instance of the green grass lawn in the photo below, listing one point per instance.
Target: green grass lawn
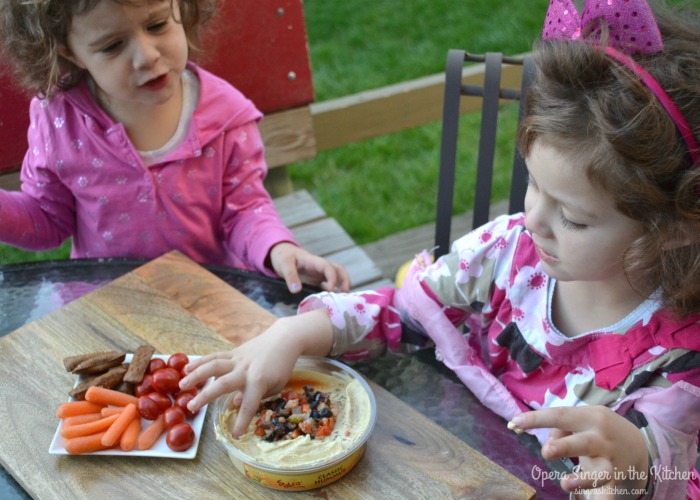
(378, 187)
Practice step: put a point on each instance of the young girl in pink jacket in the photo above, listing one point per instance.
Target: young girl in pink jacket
(133, 149)
(583, 311)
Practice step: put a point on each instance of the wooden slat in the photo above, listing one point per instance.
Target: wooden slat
(373, 285)
(278, 182)
(288, 136)
(323, 237)
(298, 208)
(361, 268)
(391, 252)
(393, 108)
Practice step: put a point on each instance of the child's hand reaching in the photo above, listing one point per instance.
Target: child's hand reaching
(261, 366)
(294, 264)
(608, 446)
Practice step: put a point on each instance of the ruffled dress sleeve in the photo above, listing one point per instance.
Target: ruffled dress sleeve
(367, 323)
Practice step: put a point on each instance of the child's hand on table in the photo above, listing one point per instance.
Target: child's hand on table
(294, 264)
(607, 445)
(261, 366)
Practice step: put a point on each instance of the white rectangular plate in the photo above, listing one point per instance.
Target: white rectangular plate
(159, 449)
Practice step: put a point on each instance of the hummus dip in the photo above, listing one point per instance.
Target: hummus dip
(354, 410)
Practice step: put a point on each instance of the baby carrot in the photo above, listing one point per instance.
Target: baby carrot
(74, 431)
(85, 444)
(82, 419)
(107, 397)
(111, 410)
(151, 434)
(72, 408)
(128, 439)
(119, 425)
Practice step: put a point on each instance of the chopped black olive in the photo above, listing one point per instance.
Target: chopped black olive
(279, 427)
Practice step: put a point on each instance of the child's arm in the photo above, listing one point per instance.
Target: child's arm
(294, 265)
(611, 450)
(30, 222)
(356, 325)
(42, 215)
(254, 230)
(261, 366)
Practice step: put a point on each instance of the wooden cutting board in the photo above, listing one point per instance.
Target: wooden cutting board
(178, 306)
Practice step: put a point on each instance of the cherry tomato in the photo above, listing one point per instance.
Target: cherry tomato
(178, 361)
(173, 416)
(166, 380)
(162, 400)
(180, 437)
(145, 386)
(147, 408)
(156, 364)
(182, 401)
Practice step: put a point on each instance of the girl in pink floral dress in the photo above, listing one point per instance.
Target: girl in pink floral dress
(582, 313)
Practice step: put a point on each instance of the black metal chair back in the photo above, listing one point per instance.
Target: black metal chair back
(491, 93)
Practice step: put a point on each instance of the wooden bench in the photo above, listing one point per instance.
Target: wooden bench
(274, 71)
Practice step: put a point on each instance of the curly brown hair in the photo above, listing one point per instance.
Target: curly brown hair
(32, 32)
(602, 117)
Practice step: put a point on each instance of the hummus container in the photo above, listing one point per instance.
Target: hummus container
(304, 463)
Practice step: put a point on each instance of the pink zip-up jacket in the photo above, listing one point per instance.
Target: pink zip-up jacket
(83, 178)
(645, 367)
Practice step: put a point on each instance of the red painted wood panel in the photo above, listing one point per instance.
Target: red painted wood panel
(262, 49)
(14, 120)
(260, 46)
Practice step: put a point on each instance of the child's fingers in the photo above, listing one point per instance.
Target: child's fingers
(345, 281)
(567, 419)
(291, 278)
(196, 363)
(595, 474)
(222, 385)
(238, 399)
(557, 434)
(329, 278)
(336, 277)
(249, 407)
(286, 268)
(218, 365)
(572, 445)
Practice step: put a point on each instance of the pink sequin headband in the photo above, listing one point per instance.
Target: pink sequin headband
(632, 29)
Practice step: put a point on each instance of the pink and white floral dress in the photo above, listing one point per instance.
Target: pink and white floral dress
(645, 367)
